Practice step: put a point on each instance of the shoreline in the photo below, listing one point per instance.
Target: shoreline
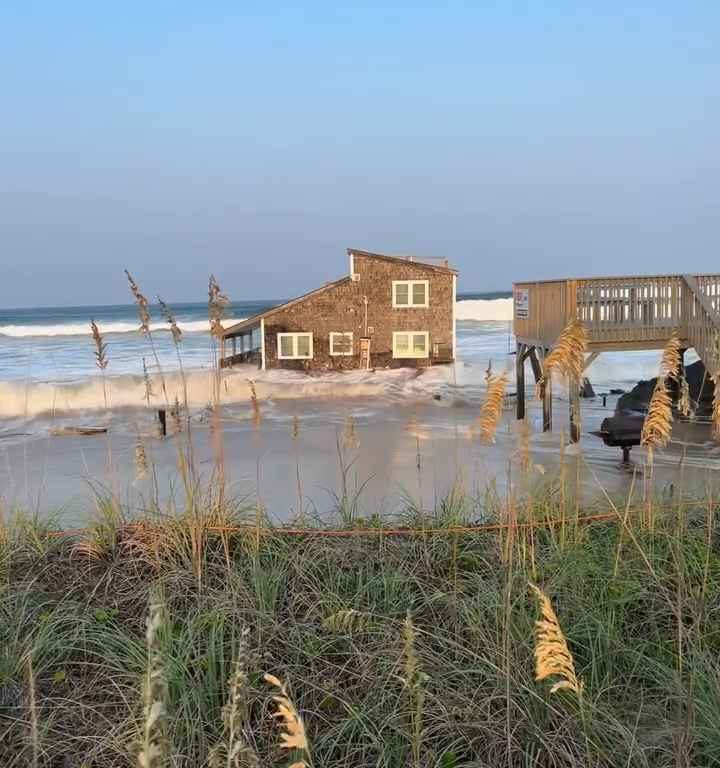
(383, 454)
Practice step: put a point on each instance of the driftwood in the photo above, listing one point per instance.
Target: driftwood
(77, 431)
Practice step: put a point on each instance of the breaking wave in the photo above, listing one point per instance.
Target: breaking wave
(32, 399)
(83, 329)
(472, 310)
(484, 310)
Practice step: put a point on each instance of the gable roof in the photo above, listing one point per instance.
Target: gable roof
(442, 266)
(252, 321)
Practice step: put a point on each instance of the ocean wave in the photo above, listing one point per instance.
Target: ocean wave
(33, 399)
(107, 329)
(484, 310)
(473, 310)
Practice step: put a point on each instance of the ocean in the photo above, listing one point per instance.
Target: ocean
(47, 357)
(404, 418)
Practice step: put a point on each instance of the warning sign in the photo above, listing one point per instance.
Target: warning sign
(522, 303)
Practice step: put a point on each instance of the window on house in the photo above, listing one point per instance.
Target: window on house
(295, 346)
(341, 343)
(411, 344)
(411, 293)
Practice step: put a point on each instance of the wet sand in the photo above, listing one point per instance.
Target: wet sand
(54, 476)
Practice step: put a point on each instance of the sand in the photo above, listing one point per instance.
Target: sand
(58, 476)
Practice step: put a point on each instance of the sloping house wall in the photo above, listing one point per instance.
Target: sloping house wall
(342, 306)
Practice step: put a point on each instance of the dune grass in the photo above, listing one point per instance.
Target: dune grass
(553, 634)
(394, 650)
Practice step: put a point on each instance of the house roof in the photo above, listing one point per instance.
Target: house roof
(254, 320)
(439, 265)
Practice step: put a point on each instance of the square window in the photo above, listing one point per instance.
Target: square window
(303, 346)
(410, 344)
(410, 293)
(286, 346)
(402, 294)
(402, 343)
(341, 343)
(295, 346)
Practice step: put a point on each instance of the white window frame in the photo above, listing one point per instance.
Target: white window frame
(333, 334)
(294, 337)
(411, 355)
(410, 284)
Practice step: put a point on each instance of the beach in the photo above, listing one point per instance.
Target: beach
(387, 440)
(411, 429)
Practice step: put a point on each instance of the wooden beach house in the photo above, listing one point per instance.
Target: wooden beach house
(389, 311)
(620, 314)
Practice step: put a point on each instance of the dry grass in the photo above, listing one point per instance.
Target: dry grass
(101, 358)
(217, 304)
(568, 355)
(141, 462)
(332, 612)
(657, 427)
(685, 405)
(235, 750)
(671, 362)
(147, 381)
(256, 412)
(491, 409)
(414, 681)
(716, 406)
(350, 437)
(143, 305)
(167, 313)
(552, 655)
(292, 729)
(153, 747)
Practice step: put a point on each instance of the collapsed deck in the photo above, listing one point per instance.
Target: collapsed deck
(619, 314)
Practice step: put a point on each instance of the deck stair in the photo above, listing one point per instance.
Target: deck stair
(620, 314)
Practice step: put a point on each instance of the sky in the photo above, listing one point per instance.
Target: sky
(520, 140)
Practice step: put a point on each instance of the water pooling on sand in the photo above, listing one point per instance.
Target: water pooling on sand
(48, 378)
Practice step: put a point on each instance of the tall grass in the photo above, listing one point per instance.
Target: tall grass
(452, 686)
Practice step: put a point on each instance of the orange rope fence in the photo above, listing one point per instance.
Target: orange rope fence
(391, 532)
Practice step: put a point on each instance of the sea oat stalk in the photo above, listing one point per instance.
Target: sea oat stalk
(568, 355)
(256, 412)
(671, 362)
(292, 728)
(414, 681)
(491, 409)
(143, 305)
(154, 745)
(101, 358)
(217, 304)
(235, 747)
(657, 426)
(552, 655)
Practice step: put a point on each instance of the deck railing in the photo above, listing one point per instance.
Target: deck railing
(622, 311)
(701, 316)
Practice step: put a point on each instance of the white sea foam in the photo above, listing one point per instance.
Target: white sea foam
(484, 310)
(83, 329)
(128, 391)
(478, 310)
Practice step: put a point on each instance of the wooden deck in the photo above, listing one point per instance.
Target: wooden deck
(619, 313)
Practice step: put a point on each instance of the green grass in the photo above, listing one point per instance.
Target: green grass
(640, 609)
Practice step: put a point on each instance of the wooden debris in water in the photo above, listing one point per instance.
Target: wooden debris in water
(77, 431)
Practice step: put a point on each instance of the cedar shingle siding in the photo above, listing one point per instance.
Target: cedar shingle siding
(340, 308)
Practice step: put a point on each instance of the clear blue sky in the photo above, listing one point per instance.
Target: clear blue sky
(259, 140)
